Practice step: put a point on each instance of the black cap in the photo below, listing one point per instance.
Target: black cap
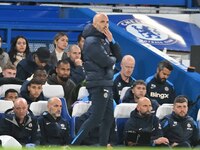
(43, 54)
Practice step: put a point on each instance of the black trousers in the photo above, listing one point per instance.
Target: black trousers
(102, 113)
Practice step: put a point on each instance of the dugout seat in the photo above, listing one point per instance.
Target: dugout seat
(122, 113)
(57, 91)
(5, 105)
(163, 110)
(38, 107)
(123, 92)
(5, 87)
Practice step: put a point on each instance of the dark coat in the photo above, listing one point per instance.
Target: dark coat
(180, 129)
(99, 56)
(26, 67)
(53, 131)
(27, 132)
(129, 98)
(69, 88)
(142, 130)
(77, 73)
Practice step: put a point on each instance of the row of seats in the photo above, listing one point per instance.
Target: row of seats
(48, 90)
(121, 112)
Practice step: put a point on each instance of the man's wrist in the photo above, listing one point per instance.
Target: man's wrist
(113, 41)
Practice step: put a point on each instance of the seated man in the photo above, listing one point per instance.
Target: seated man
(35, 60)
(39, 74)
(158, 87)
(62, 77)
(123, 78)
(20, 125)
(11, 94)
(138, 90)
(8, 75)
(77, 73)
(143, 128)
(178, 127)
(33, 92)
(54, 130)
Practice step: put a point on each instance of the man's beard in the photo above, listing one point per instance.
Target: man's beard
(159, 79)
(64, 79)
(146, 114)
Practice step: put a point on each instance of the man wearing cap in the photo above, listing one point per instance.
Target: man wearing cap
(35, 60)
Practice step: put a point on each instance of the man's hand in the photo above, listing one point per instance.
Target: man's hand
(161, 140)
(108, 34)
(174, 144)
(78, 62)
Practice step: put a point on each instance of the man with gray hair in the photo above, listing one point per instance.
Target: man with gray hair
(77, 73)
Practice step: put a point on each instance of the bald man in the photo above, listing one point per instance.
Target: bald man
(143, 128)
(77, 73)
(124, 77)
(100, 53)
(20, 125)
(54, 130)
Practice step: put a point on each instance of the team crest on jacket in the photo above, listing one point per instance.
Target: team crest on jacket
(63, 126)
(189, 126)
(119, 84)
(153, 86)
(146, 33)
(174, 123)
(166, 88)
(30, 125)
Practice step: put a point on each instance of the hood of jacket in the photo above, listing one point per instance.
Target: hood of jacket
(90, 30)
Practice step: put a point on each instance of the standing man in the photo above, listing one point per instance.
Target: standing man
(100, 53)
(178, 127)
(158, 87)
(124, 77)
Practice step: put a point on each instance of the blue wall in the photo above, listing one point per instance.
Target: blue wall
(50, 20)
(186, 83)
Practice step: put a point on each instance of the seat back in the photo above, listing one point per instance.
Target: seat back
(121, 114)
(5, 105)
(123, 92)
(38, 107)
(82, 93)
(57, 91)
(163, 110)
(8, 141)
(80, 108)
(198, 118)
(123, 110)
(5, 87)
(53, 91)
